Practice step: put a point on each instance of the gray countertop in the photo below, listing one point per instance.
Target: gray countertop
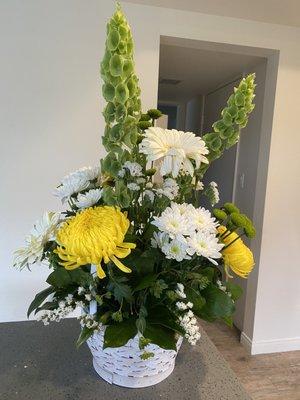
(42, 363)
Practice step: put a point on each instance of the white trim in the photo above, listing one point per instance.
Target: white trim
(270, 346)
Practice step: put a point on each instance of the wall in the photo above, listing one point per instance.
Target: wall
(50, 107)
(193, 118)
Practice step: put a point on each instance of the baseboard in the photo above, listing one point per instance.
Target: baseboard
(270, 346)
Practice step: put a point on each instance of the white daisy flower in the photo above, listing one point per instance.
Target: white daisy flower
(206, 245)
(175, 149)
(173, 222)
(76, 182)
(88, 199)
(42, 232)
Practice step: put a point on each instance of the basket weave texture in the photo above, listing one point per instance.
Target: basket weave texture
(123, 365)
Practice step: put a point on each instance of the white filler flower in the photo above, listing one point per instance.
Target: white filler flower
(42, 232)
(76, 182)
(175, 149)
(89, 198)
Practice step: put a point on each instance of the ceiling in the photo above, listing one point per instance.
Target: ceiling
(283, 12)
(199, 70)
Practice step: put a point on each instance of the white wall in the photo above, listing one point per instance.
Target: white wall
(50, 124)
(193, 117)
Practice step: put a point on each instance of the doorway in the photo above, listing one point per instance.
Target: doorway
(198, 77)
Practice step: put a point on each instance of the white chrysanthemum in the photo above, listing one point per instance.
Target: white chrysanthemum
(42, 232)
(76, 182)
(205, 245)
(134, 168)
(202, 219)
(175, 149)
(169, 189)
(175, 250)
(88, 199)
(173, 222)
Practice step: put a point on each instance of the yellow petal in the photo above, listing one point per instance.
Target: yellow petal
(120, 265)
(100, 271)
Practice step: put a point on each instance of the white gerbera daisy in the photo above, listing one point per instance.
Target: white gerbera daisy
(42, 232)
(175, 149)
(205, 245)
(88, 199)
(76, 182)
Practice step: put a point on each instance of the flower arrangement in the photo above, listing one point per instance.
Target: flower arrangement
(134, 249)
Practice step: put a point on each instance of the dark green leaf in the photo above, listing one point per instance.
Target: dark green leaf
(145, 282)
(218, 304)
(120, 290)
(161, 336)
(59, 278)
(195, 297)
(161, 315)
(117, 335)
(39, 298)
(84, 335)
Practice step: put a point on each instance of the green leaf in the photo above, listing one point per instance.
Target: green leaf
(117, 335)
(161, 336)
(84, 335)
(39, 298)
(161, 315)
(145, 282)
(120, 290)
(59, 278)
(218, 304)
(235, 290)
(195, 297)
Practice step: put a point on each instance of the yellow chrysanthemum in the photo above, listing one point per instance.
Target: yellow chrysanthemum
(93, 236)
(237, 256)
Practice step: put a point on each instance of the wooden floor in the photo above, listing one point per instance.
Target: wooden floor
(265, 376)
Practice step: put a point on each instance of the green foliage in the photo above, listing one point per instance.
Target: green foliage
(158, 287)
(61, 278)
(161, 315)
(120, 289)
(161, 336)
(84, 335)
(117, 335)
(39, 298)
(218, 304)
(235, 290)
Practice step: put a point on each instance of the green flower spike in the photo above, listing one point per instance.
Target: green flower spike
(120, 88)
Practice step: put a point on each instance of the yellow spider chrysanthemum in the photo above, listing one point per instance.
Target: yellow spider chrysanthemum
(93, 236)
(237, 256)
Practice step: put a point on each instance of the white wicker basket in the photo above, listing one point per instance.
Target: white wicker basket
(123, 366)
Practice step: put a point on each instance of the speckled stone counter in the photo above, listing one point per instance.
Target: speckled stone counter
(41, 363)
